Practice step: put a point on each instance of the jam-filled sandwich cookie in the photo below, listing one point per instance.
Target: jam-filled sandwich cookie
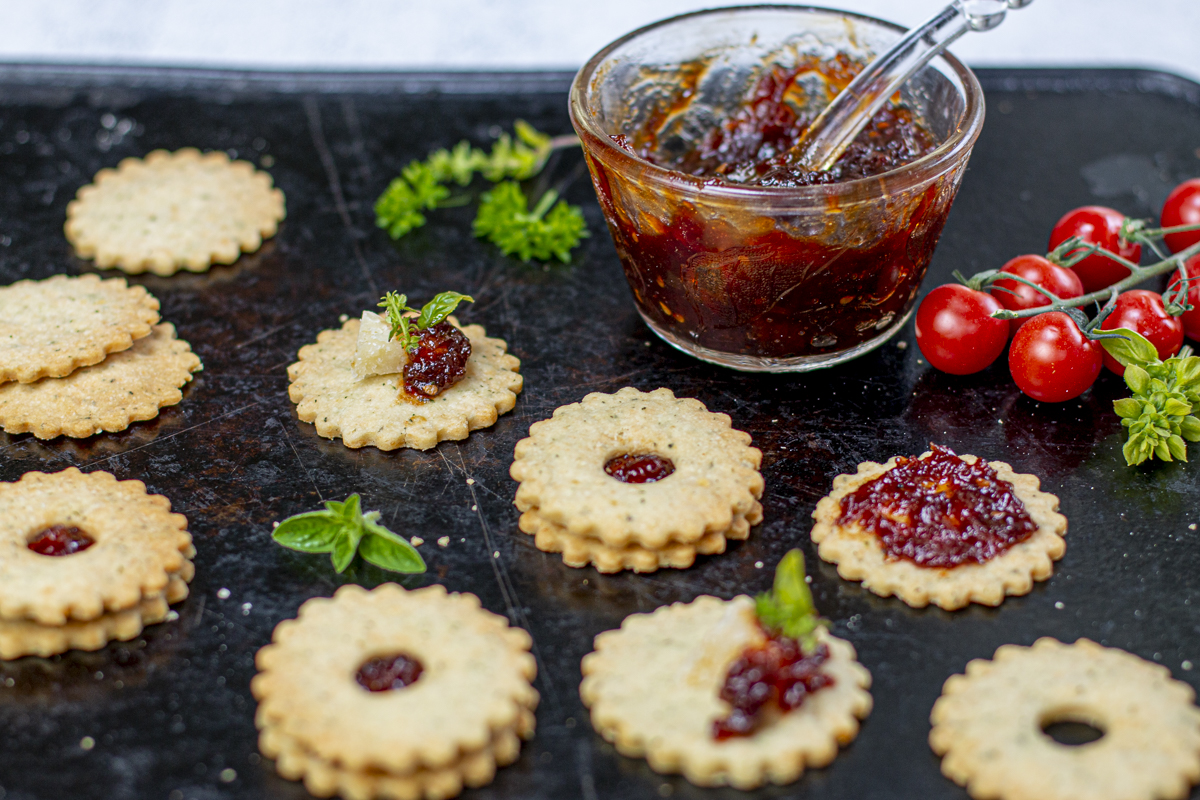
(394, 693)
(940, 528)
(173, 211)
(400, 379)
(636, 480)
(728, 692)
(86, 559)
(989, 726)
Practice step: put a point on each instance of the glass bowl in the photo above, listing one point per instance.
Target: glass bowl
(779, 279)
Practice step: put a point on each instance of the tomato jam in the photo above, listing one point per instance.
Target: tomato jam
(940, 511)
(776, 672)
(385, 673)
(439, 362)
(60, 540)
(644, 468)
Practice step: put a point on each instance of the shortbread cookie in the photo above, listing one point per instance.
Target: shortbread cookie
(988, 726)
(561, 469)
(52, 327)
(126, 387)
(579, 551)
(372, 412)
(173, 211)
(653, 690)
(859, 556)
(138, 546)
(464, 714)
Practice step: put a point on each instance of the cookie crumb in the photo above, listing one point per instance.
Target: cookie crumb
(87, 743)
(1059, 605)
(758, 565)
(1192, 527)
(223, 593)
(470, 481)
(228, 775)
(1186, 666)
(416, 541)
(444, 541)
(246, 609)
(901, 345)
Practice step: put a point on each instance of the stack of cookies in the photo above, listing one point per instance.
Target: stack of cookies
(81, 355)
(85, 560)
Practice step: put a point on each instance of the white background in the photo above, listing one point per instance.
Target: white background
(539, 34)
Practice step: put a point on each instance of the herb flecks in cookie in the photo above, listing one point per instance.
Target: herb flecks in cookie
(342, 529)
(436, 352)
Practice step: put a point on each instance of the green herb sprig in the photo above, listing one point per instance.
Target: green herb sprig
(342, 530)
(788, 608)
(1165, 393)
(550, 230)
(405, 327)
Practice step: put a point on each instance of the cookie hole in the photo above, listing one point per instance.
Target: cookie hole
(639, 467)
(388, 673)
(59, 540)
(1071, 730)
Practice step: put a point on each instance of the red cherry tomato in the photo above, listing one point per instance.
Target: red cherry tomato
(1102, 226)
(1051, 360)
(1190, 319)
(1053, 278)
(1182, 208)
(1142, 311)
(956, 332)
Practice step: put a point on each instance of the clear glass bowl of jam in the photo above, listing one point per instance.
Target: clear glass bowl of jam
(734, 255)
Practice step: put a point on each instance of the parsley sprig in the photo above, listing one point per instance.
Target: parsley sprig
(788, 608)
(342, 529)
(405, 327)
(548, 231)
(1165, 393)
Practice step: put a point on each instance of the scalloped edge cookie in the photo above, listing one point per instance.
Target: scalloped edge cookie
(653, 689)
(370, 412)
(560, 468)
(52, 327)
(172, 211)
(987, 725)
(859, 556)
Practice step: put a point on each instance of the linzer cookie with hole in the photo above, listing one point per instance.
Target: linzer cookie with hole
(737, 692)
(172, 211)
(636, 480)
(404, 378)
(940, 528)
(990, 726)
(394, 693)
(50, 328)
(126, 387)
(85, 559)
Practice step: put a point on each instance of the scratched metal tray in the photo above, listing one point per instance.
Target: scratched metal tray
(171, 714)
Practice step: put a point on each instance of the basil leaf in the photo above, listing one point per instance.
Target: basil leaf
(1128, 408)
(788, 607)
(439, 308)
(1134, 349)
(312, 532)
(346, 546)
(1176, 407)
(396, 554)
(1189, 428)
(1136, 378)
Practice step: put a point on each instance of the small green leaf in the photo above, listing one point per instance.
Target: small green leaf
(1177, 447)
(346, 546)
(1134, 349)
(1176, 408)
(788, 607)
(1128, 408)
(311, 532)
(1189, 428)
(1136, 379)
(440, 307)
(1162, 450)
(390, 554)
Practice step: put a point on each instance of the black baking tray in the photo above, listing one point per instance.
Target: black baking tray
(171, 712)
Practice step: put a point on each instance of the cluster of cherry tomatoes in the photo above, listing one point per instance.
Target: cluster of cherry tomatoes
(1051, 358)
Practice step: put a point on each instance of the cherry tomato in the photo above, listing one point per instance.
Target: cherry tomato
(1190, 319)
(1102, 226)
(1051, 360)
(956, 332)
(1142, 311)
(1062, 282)
(1182, 208)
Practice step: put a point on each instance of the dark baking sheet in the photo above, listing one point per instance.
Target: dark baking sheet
(171, 711)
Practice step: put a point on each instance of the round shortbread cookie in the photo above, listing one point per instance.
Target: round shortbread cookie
(653, 690)
(561, 469)
(173, 211)
(474, 691)
(52, 327)
(139, 545)
(988, 726)
(126, 387)
(579, 551)
(372, 412)
(860, 557)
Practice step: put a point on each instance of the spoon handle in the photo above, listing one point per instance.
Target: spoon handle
(842, 120)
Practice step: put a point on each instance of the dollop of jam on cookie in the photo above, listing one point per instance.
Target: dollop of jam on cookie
(386, 673)
(639, 468)
(60, 540)
(940, 511)
(438, 362)
(776, 672)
